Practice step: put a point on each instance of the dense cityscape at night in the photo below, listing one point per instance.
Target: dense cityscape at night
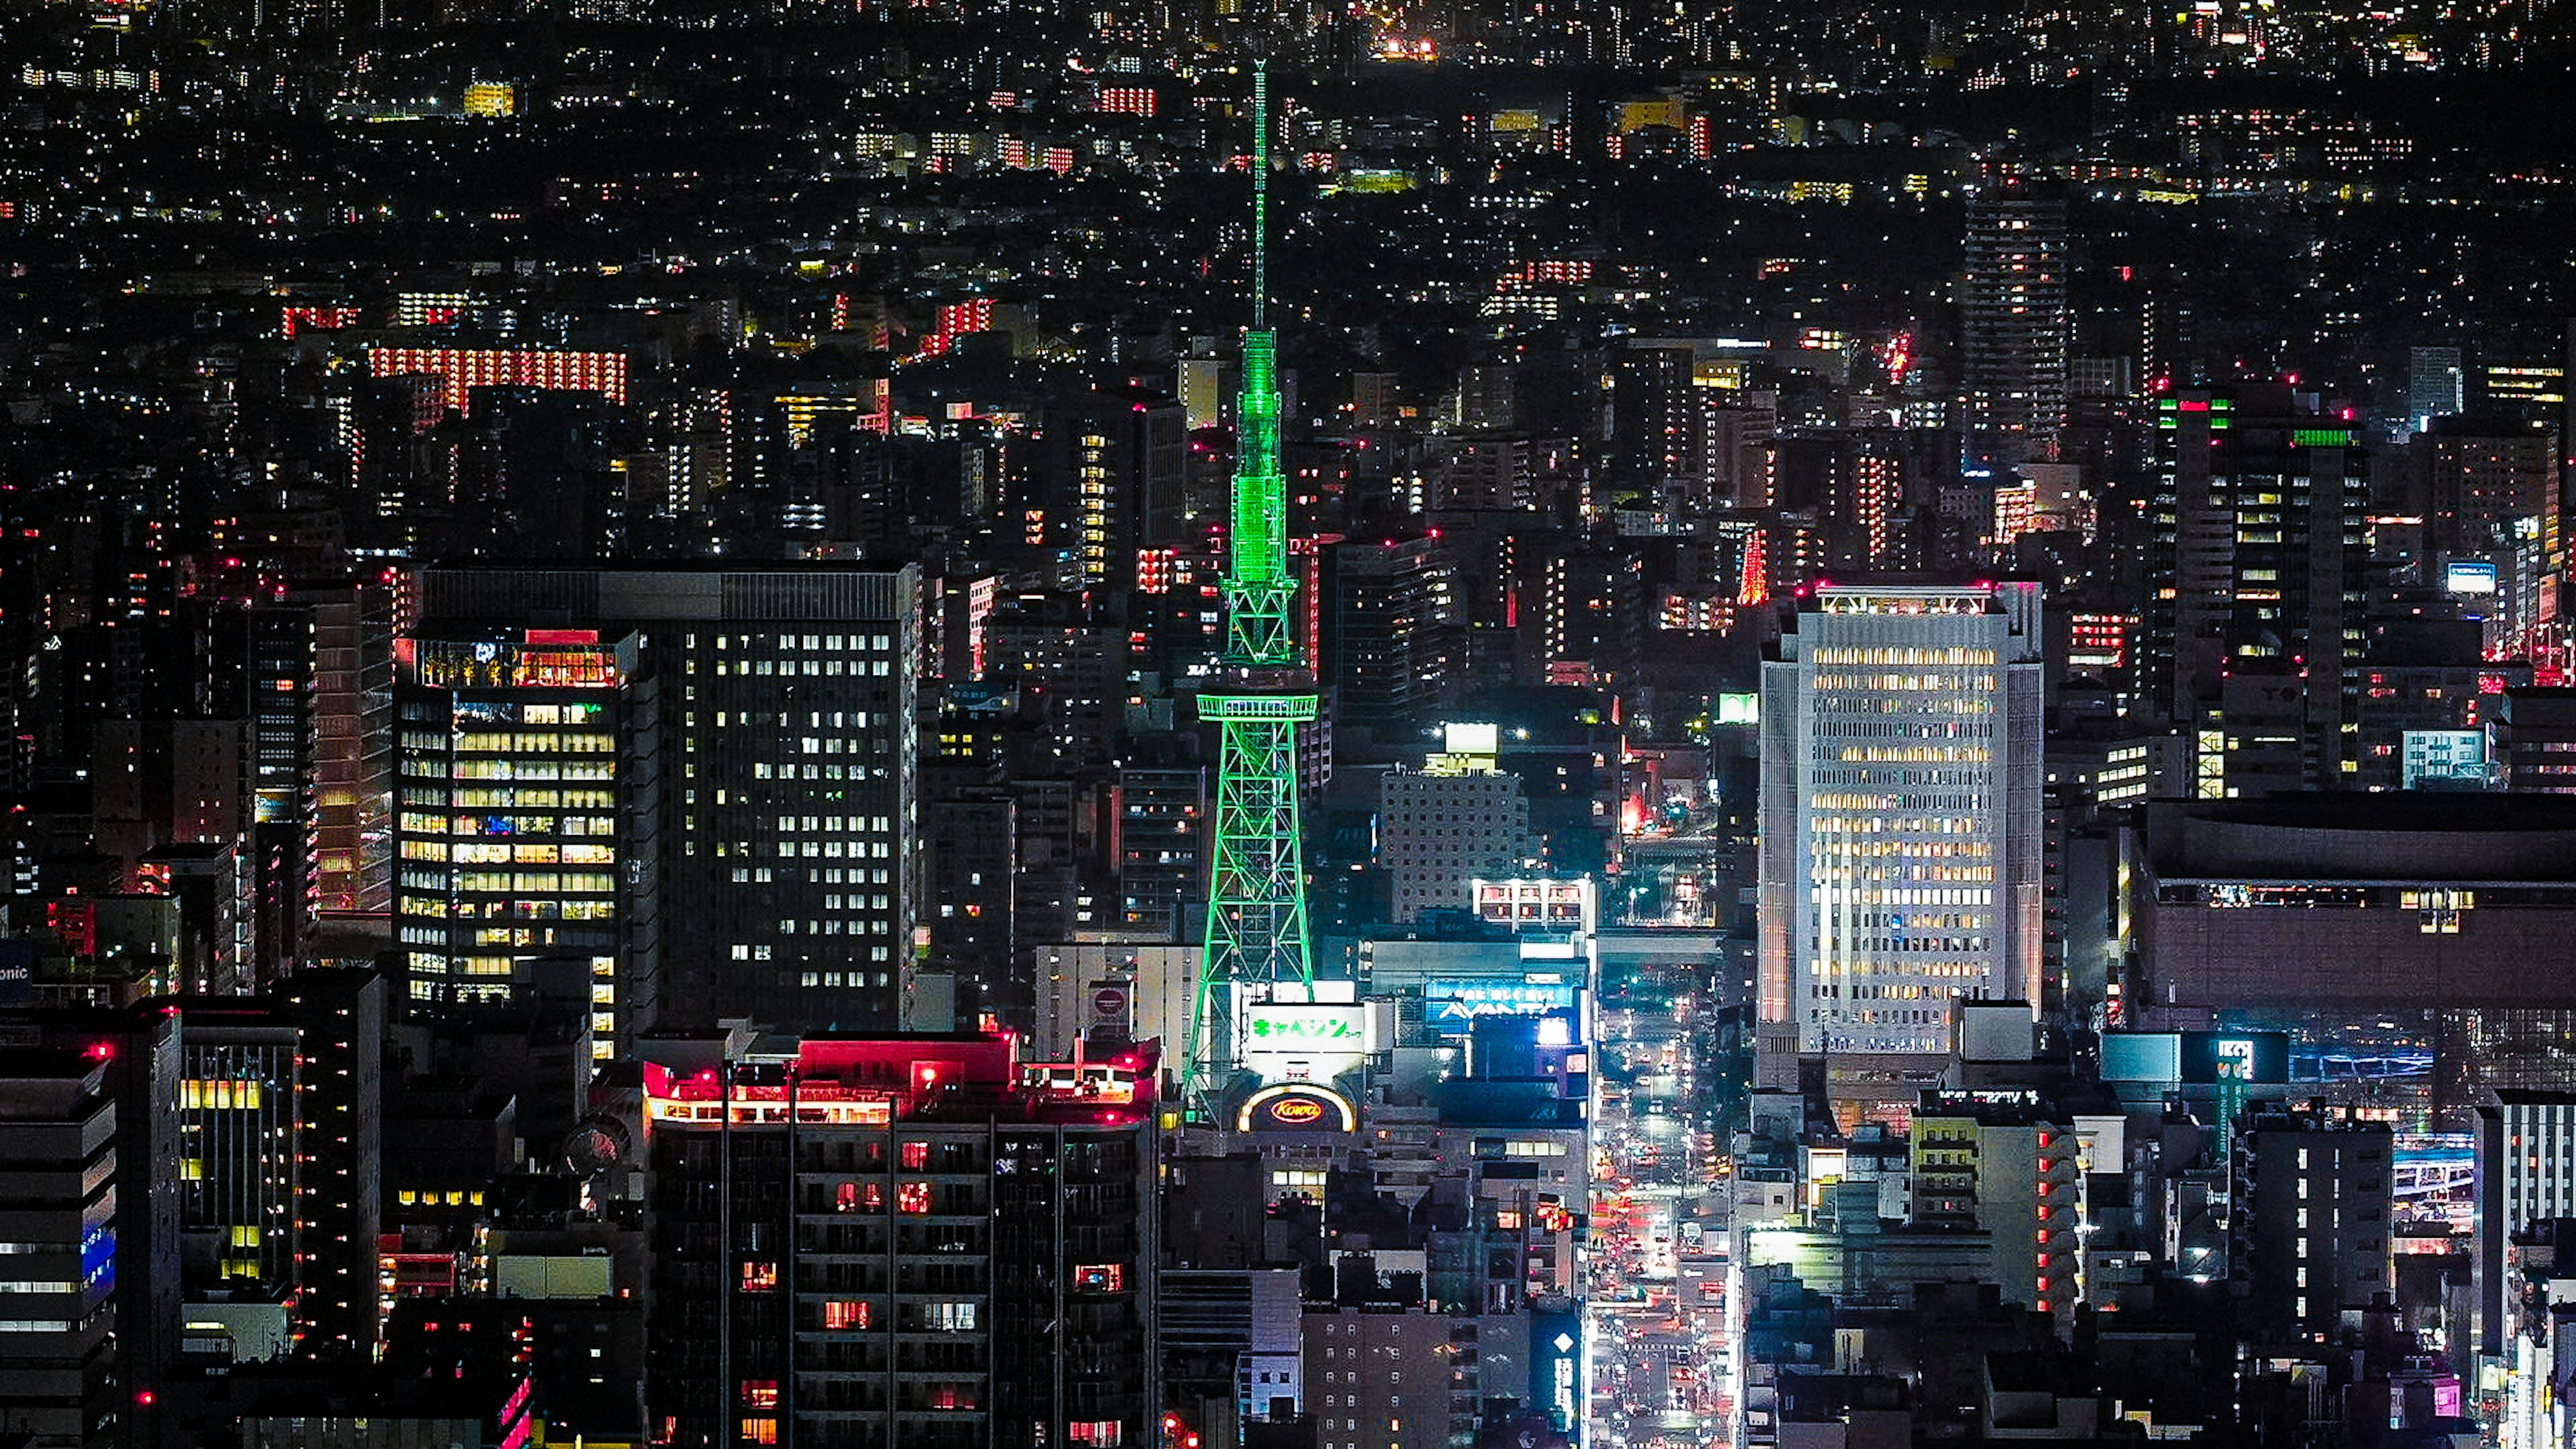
(1287, 724)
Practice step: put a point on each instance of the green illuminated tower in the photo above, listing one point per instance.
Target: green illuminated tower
(1256, 932)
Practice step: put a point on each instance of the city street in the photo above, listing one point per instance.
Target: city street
(1660, 1371)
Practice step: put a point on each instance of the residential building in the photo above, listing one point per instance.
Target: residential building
(2014, 325)
(2311, 1223)
(2004, 1162)
(2480, 475)
(1158, 821)
(1377, 1376)
(1388, 615)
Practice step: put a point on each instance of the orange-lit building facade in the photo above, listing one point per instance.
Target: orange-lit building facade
(464, 369)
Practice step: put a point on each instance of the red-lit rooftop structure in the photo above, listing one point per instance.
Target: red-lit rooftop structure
(868, 1081)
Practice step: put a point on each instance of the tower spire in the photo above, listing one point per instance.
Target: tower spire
(1260, 194)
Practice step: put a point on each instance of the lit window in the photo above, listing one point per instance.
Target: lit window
(845, 1313)
(759, 1277)
(760, 1393)
(912, 1197)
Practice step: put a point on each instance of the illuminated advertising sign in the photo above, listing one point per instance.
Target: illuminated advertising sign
(2469, 576)
(2259, 1058)
(1272, 1026)
(1556, 1366)
(2141, 1056)
(17, 972)
(1450, 1003)
(1297, 1107)
(1304, 1041)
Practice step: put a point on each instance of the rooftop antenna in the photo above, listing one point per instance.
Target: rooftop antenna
(1260, 192)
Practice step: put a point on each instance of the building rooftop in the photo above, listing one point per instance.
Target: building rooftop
(2356, 836)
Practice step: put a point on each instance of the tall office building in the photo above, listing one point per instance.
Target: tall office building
(61, 1375)
(789, 847)
(2261, 516)
(529, 830)
(2436, 385)
(1901, 840)
(238, 1164)
(914, 1239)
(2014, 324)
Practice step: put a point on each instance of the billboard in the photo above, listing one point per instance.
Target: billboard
(17, 972)
(2261, 1058)
(2197, 1058)
(1300, 1041)
(1112, 1008)
(1297, 1026)
(1297, 1107)
(1564, 905)
(2141, 1056)
(2469, 576)
(1449, 1003)
(1556, 1366)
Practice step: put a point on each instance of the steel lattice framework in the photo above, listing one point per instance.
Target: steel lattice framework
(1256, 932)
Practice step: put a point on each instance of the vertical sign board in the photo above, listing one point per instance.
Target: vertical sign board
(2233, 1060)
(1556, 1366)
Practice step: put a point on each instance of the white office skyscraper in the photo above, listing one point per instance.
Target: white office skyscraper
(1901, 777)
